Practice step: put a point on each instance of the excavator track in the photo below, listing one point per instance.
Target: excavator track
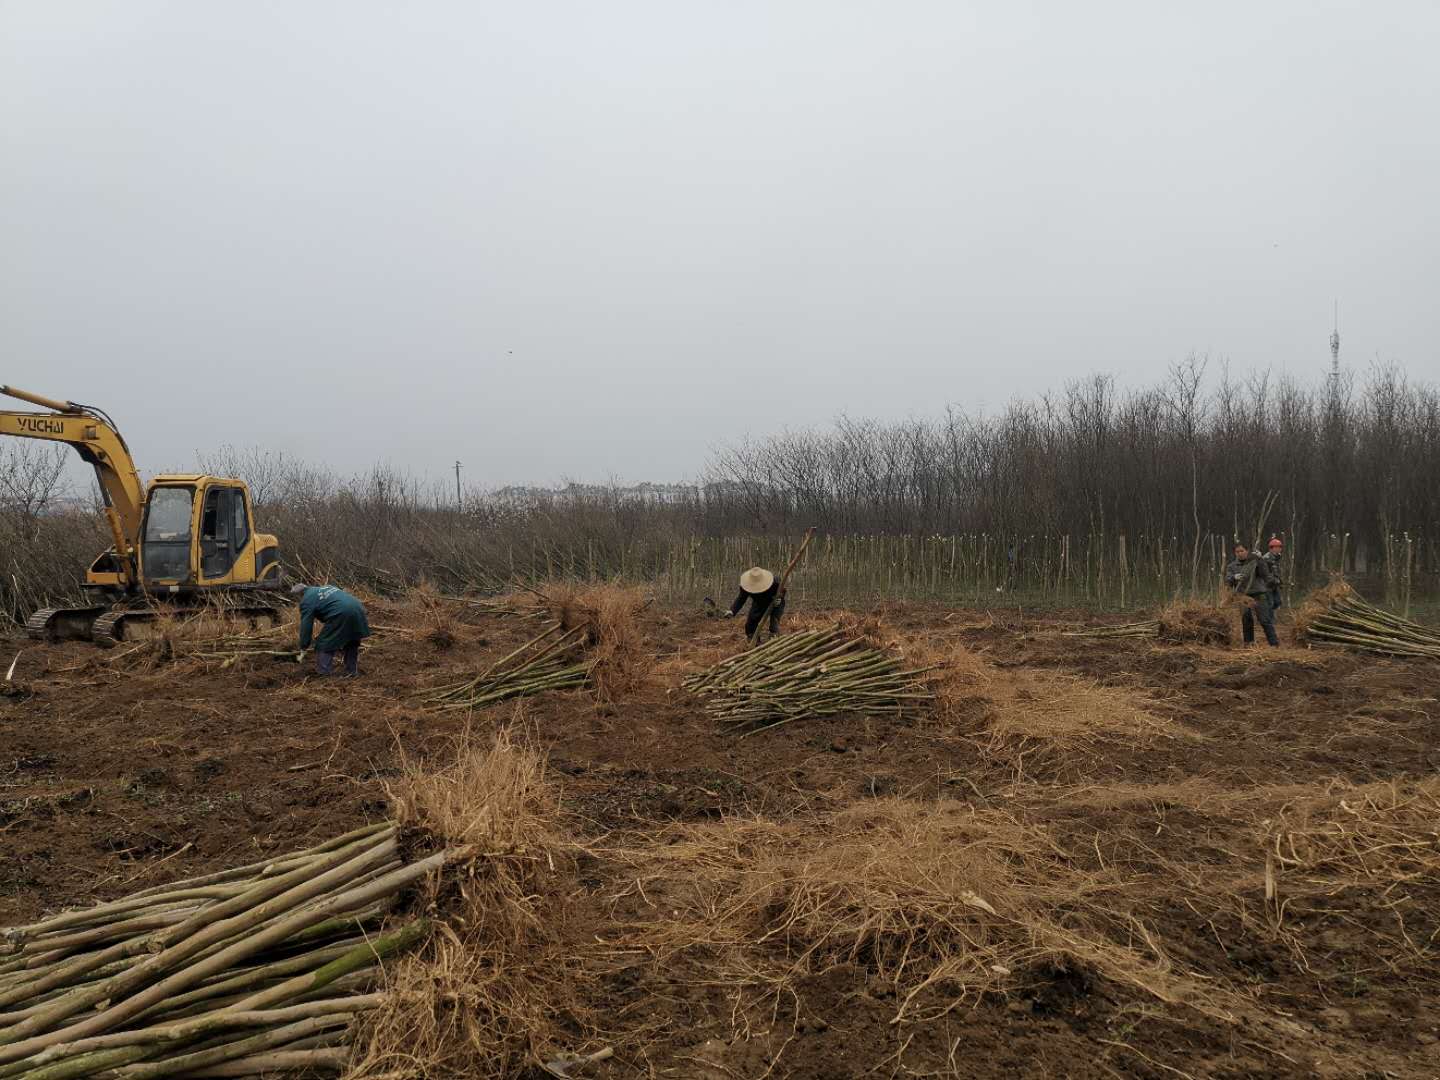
(111, 627)
(63, 624)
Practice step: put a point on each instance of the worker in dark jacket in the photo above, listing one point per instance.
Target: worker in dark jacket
(1250, 576)
(345, 626)
(1274, 557)
(762, 589)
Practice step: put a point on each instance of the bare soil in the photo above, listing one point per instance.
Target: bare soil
(1258, 820)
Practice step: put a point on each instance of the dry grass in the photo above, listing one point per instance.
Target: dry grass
(1375, 836)
(934, 895)
(1199, 624)
(1056, 710)
(1066, 710)
(1199, 794)
(435, 619)
(1310, 846)
(614, 638)
(1318, 603)
(495, 798)
(489, 991)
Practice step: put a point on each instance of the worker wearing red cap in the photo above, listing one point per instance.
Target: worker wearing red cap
(1273, 556)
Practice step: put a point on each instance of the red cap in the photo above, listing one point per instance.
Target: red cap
(1275, 542)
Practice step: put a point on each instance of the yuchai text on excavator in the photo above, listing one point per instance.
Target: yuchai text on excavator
(187, 539)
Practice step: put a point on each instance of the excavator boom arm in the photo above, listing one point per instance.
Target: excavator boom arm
(95, 440)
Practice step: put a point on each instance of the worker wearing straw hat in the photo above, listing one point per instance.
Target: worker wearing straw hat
(766, 595)
(1274, 557)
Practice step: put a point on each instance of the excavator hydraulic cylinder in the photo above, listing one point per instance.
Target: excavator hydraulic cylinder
(36, 399)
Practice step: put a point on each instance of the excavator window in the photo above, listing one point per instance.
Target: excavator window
(223, 530)
(239, 526)
(166, 548)
(169, 516)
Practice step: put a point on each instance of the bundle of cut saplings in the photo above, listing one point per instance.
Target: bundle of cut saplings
(1338, 616)
(1147, 629)
(545, 662)
(814, 673)
(259, 969)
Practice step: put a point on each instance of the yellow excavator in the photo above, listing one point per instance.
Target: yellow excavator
(187, 540)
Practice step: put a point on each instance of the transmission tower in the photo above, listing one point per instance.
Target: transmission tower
(1335, 352)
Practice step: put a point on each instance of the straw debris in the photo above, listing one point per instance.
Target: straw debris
(489, 992)
(925, 895)
(1177, 624)
(1197, 624)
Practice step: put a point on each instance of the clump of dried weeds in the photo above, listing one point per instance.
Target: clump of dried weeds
(437, 615)
(1198, 623)
(614, 632)
(488, 993)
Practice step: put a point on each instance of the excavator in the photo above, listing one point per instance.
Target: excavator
(187, 541)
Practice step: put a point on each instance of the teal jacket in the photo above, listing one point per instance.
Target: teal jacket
(342, 614)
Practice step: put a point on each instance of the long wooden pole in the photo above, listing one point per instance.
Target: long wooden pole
(809, 535)
(784, 579)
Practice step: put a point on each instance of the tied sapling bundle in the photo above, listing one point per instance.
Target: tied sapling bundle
(1338, 617)
(253, 969)
(542, 663)
(1148, 629)
(809, 674)
(1193, 623)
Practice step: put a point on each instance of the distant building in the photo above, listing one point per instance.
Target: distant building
(653, 494)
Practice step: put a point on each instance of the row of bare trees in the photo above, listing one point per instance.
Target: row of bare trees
(381, 528)
(1345, 472)
(1241, 456)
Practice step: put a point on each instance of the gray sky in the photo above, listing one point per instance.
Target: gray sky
(596, 239)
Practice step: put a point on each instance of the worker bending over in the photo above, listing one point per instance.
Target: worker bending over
(345, 626)
(766, 596)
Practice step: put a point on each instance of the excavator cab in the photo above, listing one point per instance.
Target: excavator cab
(187, 537)
(196, 535)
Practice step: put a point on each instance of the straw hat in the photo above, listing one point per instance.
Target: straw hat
(756, 580)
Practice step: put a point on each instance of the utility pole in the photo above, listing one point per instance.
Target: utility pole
(459, 503)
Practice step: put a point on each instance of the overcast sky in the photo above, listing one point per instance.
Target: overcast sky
(593, 240)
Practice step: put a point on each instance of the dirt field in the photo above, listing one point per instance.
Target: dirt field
(1092, 858)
